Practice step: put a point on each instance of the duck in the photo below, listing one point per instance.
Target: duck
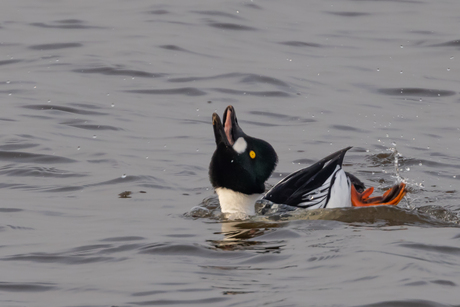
(241, 164)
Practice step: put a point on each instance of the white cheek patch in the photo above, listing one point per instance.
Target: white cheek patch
(240, 145)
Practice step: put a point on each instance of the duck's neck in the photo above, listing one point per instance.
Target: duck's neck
(236, 202)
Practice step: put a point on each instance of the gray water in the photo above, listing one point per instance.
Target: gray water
(106, 137)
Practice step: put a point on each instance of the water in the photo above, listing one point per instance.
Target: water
(106, 137)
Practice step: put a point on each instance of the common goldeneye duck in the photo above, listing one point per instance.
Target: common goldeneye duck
(241, 164)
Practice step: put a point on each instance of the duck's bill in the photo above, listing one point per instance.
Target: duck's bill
(219, 132)
(228, 131)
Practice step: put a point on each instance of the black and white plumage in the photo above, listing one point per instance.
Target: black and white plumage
(324, 184)
(241, 164)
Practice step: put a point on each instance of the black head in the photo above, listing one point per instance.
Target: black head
(240, 163)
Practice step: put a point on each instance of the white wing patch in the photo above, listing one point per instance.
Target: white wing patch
(340, 191)
(340, 195)
(240, 145)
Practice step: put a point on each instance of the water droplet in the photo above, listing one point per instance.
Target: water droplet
(113, 105)
(231, 161)
(448, 69)
(146, 157)
(8, 81)
(197, 110)
(428, 147)
(78, 148)
(420, 164)
(49, 100)
(407, 169)
(401, 72)
(378, 140)
(439, 95)
(387, 135)
(9, 94)
(197, 150)
(451, 57)
(367, 150)
(420, 99)
(94, 136)
(123, 176)
(454, 176)
(402, 46)
(378, 69)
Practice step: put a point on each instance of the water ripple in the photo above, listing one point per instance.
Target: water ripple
(55, 46)
(62, 108)
(71, 24)
(188, 91)
(283, 117)
(454, 43)
(10, 210)
(17, 146)
(300, 44)
(58, 258)
(243, 78)
(348, 128)
(407, 303)
(111, 71)
(218, 14)
(252, 93)
(36, 171)
(433, 248)
(96, 127)
(198, 302)
(191, 250)
(349, 14)
(25, 157)
(159, 12)
(231, 26)
(26, 287)
(7, 62)
(414, 91)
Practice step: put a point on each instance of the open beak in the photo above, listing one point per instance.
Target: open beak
(228, 131)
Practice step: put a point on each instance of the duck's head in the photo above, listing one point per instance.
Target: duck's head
(240, 163)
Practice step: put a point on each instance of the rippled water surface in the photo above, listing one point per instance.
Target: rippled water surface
(106, 138)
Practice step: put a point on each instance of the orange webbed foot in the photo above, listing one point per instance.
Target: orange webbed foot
(391, 197)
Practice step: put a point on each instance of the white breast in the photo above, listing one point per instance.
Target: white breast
(236, 202)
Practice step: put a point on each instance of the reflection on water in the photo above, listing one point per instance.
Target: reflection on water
(239, 235)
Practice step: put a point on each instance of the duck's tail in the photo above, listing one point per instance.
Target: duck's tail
(391, 197)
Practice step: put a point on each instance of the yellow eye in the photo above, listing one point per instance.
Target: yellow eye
(252, 154)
